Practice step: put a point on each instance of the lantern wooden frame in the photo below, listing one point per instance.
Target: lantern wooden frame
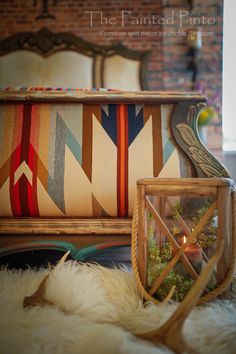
(163, 188)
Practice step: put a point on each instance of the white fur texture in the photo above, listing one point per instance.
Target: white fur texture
(100, 311)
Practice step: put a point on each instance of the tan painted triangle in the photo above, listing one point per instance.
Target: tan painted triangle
(97, 209)
(77, 188)
(5, 171)
(46, 205)
(138, 108)
(5, 205)
(172, 166)
(23, 169)
(104, 167)
(105, 108)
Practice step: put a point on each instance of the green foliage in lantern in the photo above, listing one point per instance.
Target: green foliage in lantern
(157, 263)
(206, 239)
(178, 210)
(160, 255)
(178, 277)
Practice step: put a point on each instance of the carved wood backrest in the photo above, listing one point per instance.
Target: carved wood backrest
(62, 59)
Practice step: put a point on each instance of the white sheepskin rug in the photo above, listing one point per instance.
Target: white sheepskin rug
(97, 311)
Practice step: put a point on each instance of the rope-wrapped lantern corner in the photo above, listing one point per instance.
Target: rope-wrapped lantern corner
(178, 225)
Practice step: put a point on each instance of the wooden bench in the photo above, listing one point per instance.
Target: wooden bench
(69, 160)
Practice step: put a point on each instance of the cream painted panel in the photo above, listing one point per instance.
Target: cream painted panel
(104, 169)
(63, 69)
(140, 161)
(172, 167)
(78, 189)
(171, 170)
(121, 73)
(45, 204)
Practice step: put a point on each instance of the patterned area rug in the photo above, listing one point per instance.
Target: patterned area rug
(98, 310)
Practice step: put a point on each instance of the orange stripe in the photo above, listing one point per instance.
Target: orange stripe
(122, 161)
(118, 158)
(126, 162)
(122, 157)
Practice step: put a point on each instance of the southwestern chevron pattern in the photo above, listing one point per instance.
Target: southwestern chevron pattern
(70, 159)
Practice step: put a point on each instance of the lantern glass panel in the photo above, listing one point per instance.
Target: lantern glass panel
(170, 224)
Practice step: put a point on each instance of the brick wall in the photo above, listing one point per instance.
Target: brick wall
(209, 57)
(19, 15)
(167, 68)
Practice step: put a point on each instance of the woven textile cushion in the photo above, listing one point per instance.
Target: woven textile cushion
(73, 159)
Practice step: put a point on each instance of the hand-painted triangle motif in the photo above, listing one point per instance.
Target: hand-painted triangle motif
(135, 121)
(134, 117)
(23, 169)
(97, 208)
(108, 116)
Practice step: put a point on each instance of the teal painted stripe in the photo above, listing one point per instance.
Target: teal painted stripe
(167, 151)
(74, 146)
(167, 144)
(78, 255)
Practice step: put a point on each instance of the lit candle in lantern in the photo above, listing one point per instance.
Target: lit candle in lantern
(193, 252)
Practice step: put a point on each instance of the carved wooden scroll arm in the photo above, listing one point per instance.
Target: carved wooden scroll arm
(184, 124)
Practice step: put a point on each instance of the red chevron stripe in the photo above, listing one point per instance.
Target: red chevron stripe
(14, 189)
(33, 163)
(25, 141)
(24, 195)
(32, 190)
(15, 161)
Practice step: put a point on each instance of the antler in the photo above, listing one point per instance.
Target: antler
(38, 297)
(170, 333)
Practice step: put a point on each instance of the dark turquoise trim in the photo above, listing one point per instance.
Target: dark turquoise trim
(76, 254)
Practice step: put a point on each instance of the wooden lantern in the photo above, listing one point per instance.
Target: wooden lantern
(180, 223)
